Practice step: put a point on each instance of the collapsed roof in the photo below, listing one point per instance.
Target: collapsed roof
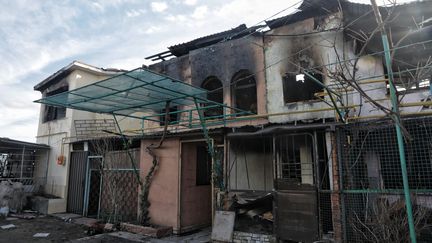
(358, 20)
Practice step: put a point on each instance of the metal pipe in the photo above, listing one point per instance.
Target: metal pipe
(399, 135)
(277, 130)
(126, 144)
(383, 116)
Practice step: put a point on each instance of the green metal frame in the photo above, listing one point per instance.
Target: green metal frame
(143, 94)
(146, 92)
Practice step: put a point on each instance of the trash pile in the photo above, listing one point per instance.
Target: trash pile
(254, 211)
(12, 197)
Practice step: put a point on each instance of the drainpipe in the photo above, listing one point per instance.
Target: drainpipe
(395, 110)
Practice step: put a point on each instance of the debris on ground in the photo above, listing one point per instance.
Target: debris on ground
(41, 235)
(4, 211)
(158, 232)
(254, 212)
(8, 226)
(24, 231)
(12, 197)
(23, 215)
(109, 227)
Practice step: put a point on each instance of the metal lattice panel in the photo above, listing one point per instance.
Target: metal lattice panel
(371, 180)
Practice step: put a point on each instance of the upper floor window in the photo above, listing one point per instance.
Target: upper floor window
(300, 87)
(52, 113)
(214, 86)
(173, 116)
(244, 93)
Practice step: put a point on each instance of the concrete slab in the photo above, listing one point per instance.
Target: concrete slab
(118, 237)
(157, 232)
(201, 236)
(130, 236)
(89, 222)
(48, 205)
(66, 216)
(223, 226)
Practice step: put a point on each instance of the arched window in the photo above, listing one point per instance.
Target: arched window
(214, 86)
(243, 90)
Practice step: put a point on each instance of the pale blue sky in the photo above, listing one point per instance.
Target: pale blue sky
(38, 37)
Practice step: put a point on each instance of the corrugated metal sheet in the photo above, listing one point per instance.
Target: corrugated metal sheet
(77, 173)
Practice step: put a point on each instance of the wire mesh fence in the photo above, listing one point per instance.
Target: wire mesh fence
(373, 204)
(119, 187)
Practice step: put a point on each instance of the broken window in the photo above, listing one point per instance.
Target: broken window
(214, 86)
(173, 116)
(244, 93)
(295, 158)
(52, 113)
(250, 164)
(203, 166)
(300, 87)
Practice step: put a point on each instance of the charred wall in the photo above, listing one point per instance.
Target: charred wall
(222, 60)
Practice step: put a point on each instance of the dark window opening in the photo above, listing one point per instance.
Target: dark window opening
(295, 158)
(300, 87)
(203, 166)
(172, 117)
(52, 113)
(78, 146)
(244, 91)
(214, 86)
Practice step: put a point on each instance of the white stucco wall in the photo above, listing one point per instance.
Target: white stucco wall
(282, 55)
(58, 133)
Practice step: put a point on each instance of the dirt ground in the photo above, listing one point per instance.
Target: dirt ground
(59, 230)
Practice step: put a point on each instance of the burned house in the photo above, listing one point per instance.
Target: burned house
(290, 127)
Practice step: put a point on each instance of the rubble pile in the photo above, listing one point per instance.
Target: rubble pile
(12, 197)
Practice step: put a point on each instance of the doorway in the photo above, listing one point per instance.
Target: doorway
(76, 185)
(296, 199)
(92, 186)
(195, 186)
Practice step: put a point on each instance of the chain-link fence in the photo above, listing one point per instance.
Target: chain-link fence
(119, 188)
(373, 204)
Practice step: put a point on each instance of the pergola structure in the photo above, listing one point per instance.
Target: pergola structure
(147, 95)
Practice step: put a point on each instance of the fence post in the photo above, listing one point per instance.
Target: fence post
(395, 110)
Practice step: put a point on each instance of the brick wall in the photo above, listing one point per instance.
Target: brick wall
(335, 196)
(244, 237)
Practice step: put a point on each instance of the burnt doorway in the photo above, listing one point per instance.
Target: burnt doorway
(195, 186)
(76, 185)
(92, 186)
(296, 200)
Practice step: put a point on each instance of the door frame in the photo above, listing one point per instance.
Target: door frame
(301, 187)
(179, 199)
(87, 185)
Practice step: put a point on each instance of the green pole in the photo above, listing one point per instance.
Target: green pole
(394, 101)
(126, 145)
(395, 109)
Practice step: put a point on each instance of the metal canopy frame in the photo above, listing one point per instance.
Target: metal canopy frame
(143, 94)
(147, 95)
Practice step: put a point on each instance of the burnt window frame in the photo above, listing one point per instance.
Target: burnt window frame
(215, 94)
(295, 96)
(239, 82)
(203, 166)
(53, 113)
(172, 118)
